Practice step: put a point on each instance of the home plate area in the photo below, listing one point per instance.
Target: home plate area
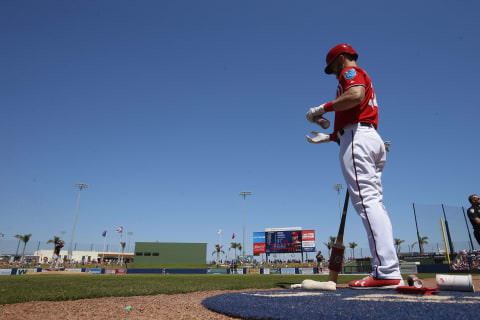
(345, 304)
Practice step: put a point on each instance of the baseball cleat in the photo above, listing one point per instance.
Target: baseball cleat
(371, 283)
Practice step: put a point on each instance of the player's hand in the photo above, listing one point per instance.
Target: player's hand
(315, 112)
(318, 137)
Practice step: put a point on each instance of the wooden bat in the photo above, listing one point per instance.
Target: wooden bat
(338, 249)
(322, 122)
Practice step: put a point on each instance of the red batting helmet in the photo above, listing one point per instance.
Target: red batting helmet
(336, 51)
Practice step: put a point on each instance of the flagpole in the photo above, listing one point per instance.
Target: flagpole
(219, 244)
(121, 232)
(104, 242)
(121, 239)
(104, 247)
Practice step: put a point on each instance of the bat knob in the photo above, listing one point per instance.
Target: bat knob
(322, 122)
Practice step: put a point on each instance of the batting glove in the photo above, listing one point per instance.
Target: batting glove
(318, 137)
(315, 112)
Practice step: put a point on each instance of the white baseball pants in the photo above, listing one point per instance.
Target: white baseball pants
(362, 159)
(55, 261)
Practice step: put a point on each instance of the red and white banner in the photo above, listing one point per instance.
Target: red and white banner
(308, 235)
(258, 248)
(308, 240)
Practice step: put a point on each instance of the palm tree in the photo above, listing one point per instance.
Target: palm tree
(18, 245)
(352, 246)
(421, 242)
(235, 245)
(398, 242)
(413, 246)
(25, 238)
(330, 244)
(55, 240)
(218, 250)
(123, 250)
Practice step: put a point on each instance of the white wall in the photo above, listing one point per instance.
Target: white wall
(76, 255)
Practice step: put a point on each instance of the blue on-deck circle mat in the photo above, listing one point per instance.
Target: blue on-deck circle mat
(345, 304)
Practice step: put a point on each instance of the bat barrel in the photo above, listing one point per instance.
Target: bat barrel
(336, 257)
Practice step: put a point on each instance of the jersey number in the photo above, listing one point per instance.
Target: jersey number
(373, 101)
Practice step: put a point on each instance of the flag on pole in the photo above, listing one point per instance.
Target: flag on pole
(233, 235)
(119, 229)
(104, 233)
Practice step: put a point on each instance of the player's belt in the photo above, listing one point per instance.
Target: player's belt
(341, 132)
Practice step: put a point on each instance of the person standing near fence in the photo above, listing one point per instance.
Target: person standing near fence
(474, 215)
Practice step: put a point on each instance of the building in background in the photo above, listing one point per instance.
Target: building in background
(85, 256)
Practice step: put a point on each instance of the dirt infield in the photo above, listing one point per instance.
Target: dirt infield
(177, 306)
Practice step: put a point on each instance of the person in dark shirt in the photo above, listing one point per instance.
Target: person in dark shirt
(320, 260)
(474, 215)
(56, 259)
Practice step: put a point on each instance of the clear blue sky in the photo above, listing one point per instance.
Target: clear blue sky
(168, 109)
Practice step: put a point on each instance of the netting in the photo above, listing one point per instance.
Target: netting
(457, 230)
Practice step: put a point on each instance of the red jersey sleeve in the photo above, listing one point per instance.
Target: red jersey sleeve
(366, 111)
(351, 77)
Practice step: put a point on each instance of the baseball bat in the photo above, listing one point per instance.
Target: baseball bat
(322, 122)
(338, 249)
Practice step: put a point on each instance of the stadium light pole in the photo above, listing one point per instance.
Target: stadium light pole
(338, 187)
(1, 236)
(244, 194)
(80, 186)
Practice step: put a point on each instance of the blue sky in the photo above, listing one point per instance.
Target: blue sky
(168, 109)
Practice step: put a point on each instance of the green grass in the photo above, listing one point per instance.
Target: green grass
(15, 289)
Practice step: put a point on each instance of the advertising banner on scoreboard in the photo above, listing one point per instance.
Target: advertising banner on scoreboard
(288, 241)
(258, 243)
(308, 240)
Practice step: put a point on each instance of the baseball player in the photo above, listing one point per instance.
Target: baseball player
(362, 159)
(295, 245)
(474, 215)
(56, 259)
